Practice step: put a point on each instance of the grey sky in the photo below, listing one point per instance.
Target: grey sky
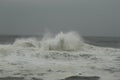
(88, 17)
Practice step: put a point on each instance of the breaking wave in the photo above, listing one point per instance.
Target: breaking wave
(70, 41)
(57, 57)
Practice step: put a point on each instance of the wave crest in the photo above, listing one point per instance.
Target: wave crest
(70, 41)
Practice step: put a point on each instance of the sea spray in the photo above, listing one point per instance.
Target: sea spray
(57, 57)
(70, 41)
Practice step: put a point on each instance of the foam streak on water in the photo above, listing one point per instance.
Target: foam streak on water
(57, 57)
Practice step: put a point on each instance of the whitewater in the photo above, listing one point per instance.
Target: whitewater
(55, 57)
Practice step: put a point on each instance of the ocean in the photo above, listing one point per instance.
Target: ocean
(64, 56)
(93, 40)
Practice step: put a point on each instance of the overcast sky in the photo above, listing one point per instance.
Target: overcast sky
(33, 17)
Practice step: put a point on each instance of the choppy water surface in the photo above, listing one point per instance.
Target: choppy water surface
(57, 57)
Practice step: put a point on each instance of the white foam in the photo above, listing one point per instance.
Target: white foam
(26, 42)
(66, 54)
(70, 41)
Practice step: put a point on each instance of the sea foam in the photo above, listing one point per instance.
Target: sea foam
(70, 41)
(57, 57)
